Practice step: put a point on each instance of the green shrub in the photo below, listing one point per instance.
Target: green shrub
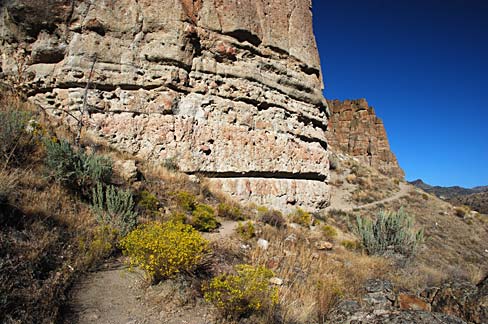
(164, 250)
(16, 133)
(101, 244)
(186, 200)
(203, 218)
(231, 211)
(246, 230)
(114, 207)
(390, 231)
(329, 231)
(76, 169)
(271, 217)
(178, 217)
(247, 291)
(148, 203)
(301, 217)
(350, 245)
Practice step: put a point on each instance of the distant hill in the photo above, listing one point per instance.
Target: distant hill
(477, 201)
(420, 184)
(476, 198)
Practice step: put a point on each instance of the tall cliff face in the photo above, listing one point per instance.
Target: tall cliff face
(229, 89)
(354, 129)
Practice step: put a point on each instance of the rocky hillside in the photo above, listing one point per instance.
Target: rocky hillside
(448, 192)
(476, 198)
(231, 90)
(354, 129)
(477, 201)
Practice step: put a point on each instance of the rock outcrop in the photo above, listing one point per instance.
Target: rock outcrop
(228, 89)
(459, 302)
(354, 129)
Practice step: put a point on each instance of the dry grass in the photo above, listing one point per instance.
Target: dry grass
(41, 227)
(453, 248)
(314, 281)
(48, 236)
(368, 184)
(9, 180)
(40, 234)
(462, 211)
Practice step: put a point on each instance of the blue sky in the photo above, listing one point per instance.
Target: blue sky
(423, 66)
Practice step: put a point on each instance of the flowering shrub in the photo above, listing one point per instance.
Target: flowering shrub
(301, 217)
(249, 290)
(164, 249)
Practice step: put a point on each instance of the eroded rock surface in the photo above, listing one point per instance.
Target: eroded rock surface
(354, 129)
(229, 89)
(381, 305)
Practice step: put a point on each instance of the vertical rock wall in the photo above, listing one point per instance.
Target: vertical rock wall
(229, 89)
(354, 129)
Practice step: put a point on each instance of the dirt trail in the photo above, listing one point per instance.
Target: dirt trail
(115, 295)
(339, 201)
(109, 296)
(227, 227)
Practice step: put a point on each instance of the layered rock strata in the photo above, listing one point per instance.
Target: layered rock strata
(228, 89)
(354, 129)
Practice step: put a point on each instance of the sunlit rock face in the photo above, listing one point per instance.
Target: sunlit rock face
(228, 89)
(354, 129)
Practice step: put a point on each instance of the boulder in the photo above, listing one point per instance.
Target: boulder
(323, 245)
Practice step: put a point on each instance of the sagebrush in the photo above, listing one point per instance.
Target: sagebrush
(16, 131)
(390, 231)
(114, 207)
(75, 168)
